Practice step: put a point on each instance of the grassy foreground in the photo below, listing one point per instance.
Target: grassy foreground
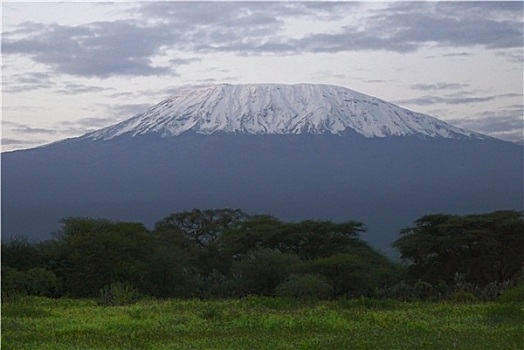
(259, 323)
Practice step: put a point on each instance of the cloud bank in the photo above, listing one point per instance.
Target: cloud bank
(130, 47)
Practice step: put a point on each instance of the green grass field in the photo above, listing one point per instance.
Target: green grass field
(259, 323)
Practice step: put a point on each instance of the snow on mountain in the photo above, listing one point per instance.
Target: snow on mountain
(279, 109)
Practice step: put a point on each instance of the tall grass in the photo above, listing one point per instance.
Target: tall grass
(259, 323)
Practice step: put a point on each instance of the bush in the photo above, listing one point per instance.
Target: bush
(306, 287)
(21, 254)
(217, 285)
(460, 284)
(262, 271)
(14, 283)
(118, 294)
(493, 290)
(42, 282)
(400, 291)
(36, 281)
(423, 290)
(513, 295)
(464, 297)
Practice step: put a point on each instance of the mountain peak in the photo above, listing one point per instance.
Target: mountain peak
(279, 109)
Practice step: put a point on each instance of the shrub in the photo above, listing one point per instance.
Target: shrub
(513, 295)
(118, 294)
(441, 291)
(463, 297)
(42, 282)
(36, 281)
(217, 285)
(492, 291)
(263, 270)
(306, 287)
(400, 291)
(423, 290)
(14, 283)
(460, 284)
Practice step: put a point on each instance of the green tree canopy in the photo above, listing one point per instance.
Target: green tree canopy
(307, 239)
(263, 270)
(195, 234)
(198, 228)
(93, 253)
(19, 253)
(484, 247)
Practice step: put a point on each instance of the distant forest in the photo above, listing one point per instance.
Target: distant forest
(224, 253)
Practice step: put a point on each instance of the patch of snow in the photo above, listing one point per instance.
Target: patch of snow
(279, 109)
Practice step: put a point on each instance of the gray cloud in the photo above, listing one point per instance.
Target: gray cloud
(128, 110)
(206, 81)
(515, 55)
(456, 54)
(448, 31)
(127, 47)
(180, 61)
(10, 141)
(404, 27)
(451, 99)
(430, 100)
(377, 81)
(329, 74)
(99, 49)
(27, 82)
(84, 125)
(21, 142)
(505, 124)
(439, 86)
(224, 17)
(31, 130)
(113, 115)
(93, 122)
(21, 128)
(29, 135)
(484, 9)
(75, 89)
(351, 40)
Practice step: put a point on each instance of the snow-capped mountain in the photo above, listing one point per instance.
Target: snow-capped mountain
(279, 109)
(293, 151)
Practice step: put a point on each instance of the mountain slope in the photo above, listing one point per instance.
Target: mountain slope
(136, 171)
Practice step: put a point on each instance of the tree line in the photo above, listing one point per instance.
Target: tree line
(223, 253)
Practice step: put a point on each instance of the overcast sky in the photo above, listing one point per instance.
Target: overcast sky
(70, 68)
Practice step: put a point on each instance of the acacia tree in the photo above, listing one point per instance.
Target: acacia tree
(261, 271)
(93, 253)
(311, 239)
(198, 228)
(320, 247)
(484, 247)
(196, 234)
(256, 232)
(19, 253)
(307, 239)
